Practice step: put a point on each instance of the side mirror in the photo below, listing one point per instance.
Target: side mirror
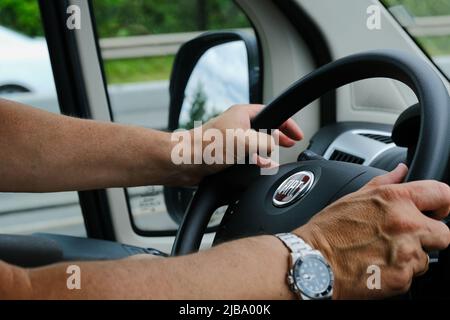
(210, 74)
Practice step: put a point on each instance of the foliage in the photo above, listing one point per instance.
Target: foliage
(197, 112)
(22, 16)
(434, 45)
(138, 70)
(134, 17)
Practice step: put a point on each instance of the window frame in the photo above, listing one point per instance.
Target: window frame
(73, 100)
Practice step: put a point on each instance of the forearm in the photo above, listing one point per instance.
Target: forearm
(253, 268)
(44, 152)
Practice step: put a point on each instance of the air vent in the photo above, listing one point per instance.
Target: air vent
(346, 157)
(378, 137)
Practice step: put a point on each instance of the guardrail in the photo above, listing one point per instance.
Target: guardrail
(430, 26)
(168, 44)
(146, 46)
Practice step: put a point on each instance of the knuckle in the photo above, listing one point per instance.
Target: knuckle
(442, 240)
(398, 223)
(386, 193)
(404, 254)
(376, 181)
(401, 280)
(398, 219)
(394, 192)
(443, 190)
(234, 108)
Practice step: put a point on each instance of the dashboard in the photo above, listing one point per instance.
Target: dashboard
(364, 143)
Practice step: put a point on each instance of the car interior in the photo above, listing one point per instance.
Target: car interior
(367, 98)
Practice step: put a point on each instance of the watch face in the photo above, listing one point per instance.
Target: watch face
(313, 277)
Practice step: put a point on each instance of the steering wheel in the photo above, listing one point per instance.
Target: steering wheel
(268, 204)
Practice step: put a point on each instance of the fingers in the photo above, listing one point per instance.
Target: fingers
(254, 142)
(265, 163)
(282, 139)
(393, 177)
(436, 235)
(430, 196)
(291, 131)
(422, 263)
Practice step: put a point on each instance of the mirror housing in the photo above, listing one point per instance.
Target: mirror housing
(187, 58)
(190, 54)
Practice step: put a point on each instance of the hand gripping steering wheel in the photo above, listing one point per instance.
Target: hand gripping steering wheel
(284, 201)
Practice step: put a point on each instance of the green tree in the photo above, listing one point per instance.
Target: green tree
(117, 18)
(22, 16)
(138, 17)
(197, 112)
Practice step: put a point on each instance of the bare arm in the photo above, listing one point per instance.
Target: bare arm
(41, 152)
(253, 268)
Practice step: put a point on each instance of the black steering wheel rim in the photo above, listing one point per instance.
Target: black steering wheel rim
(433, 142)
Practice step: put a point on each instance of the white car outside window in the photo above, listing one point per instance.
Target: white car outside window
(22, 58)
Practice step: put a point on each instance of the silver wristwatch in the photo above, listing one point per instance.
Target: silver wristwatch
(310, 276)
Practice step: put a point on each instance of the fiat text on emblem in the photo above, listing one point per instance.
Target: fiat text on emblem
(293, 188)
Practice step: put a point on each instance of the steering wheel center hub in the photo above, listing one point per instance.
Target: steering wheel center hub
(293, 188)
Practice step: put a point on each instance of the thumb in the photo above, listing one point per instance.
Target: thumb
(395, 176)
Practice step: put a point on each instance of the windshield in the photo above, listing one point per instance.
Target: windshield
(428, 23)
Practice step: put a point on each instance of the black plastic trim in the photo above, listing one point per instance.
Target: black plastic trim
(72, 98)
(185, 62)
(100, 58)
(192, 51)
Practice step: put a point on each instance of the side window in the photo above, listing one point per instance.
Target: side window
(428, 23)
(26, 77)
(138, 41)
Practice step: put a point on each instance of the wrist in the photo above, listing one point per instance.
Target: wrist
(15, 282)
(314, 237)
(278, 255)
(183, 158)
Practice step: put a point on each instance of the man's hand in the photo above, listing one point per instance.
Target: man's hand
(238, 118)
(382, 225)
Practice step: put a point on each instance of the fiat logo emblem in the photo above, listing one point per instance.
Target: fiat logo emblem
(293, 188)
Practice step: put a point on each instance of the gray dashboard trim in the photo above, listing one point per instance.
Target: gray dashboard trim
(352, 142)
